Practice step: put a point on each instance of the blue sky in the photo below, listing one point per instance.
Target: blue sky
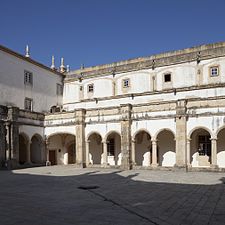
(93, 32)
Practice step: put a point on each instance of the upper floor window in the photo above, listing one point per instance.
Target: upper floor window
(59, 89)
(167, 77)
(126, 83)
(90, 88)
(214, 71)
(28, 78)
(28, 104)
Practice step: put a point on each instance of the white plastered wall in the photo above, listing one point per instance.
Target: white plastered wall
(13, 91)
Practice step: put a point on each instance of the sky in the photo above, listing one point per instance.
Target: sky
(93, 32)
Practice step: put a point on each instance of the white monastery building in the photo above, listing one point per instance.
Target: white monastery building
(162, 111)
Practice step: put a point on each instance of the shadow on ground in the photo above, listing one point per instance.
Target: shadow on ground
(106, 197)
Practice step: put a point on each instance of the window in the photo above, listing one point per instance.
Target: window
(28, 78)
(126, 83)
(214, 71)
(28, 102)
(204, 145)
(59, 89)
(90, 88)
(167, 77)
(111, 147)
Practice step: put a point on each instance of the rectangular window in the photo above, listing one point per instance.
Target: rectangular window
(167, 77)
(126, 83)
(90, 88)
(111, 147)
(28, 78)
(28, 103)
(214, 71)
(59, 89)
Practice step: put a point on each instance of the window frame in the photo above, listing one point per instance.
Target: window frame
(124, 81)
(59, 89)
(90, 88)
(164, 77)
(28, 78)
(28, 102)
(211, 71)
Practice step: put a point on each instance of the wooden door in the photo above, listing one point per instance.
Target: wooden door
(52, 157)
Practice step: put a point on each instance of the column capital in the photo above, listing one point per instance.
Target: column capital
(154, 141)
(213, 139)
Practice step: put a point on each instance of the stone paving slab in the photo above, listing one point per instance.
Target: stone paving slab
(69, 195)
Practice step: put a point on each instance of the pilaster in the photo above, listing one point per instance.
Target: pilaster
(126, 136)
(181, 133)
(80, 137)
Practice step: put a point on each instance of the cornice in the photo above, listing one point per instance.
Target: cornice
(197, 54)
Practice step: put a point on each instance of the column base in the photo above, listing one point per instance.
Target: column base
(154, 165)
(214, 166)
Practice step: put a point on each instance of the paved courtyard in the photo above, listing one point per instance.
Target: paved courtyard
(64, 195)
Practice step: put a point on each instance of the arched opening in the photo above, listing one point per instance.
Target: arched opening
(95, 149)
(36, 149)
(143, 149)
(166, 148)
(221, 148)
(23, 148)
(114, 149)
(200, 148)
(61, 148)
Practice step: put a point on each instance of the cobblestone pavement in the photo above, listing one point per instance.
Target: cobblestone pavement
(59, 195)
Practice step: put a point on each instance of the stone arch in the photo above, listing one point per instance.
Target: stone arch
(36, 149)
(140, 130)
(163, 129)
(95, 148)
(143, 145)
(220, 134)
(58, 145)
(197, 128)
(166, 147)
(92, 132)
(23, 148)
(200, 147)
(113, 140)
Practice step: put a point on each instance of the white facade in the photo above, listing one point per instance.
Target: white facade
(166, 110)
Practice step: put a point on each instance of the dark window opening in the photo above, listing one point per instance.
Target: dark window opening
(111, 147)
(167, 77)
(204, 145)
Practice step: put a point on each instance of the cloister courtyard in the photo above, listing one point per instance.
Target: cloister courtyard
(64, 195)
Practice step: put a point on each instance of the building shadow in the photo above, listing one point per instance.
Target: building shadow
(108, 197)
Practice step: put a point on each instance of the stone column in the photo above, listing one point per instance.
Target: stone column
(28, 152)
(8, 152)
(154, 153)
(2, 143)
(126, 136)
(13, 114)
(80, 137)
(87, 153)
(181, 133)
(133, 153)
(66, 158)
(213, 152)
(105, 154)
(188, 153)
